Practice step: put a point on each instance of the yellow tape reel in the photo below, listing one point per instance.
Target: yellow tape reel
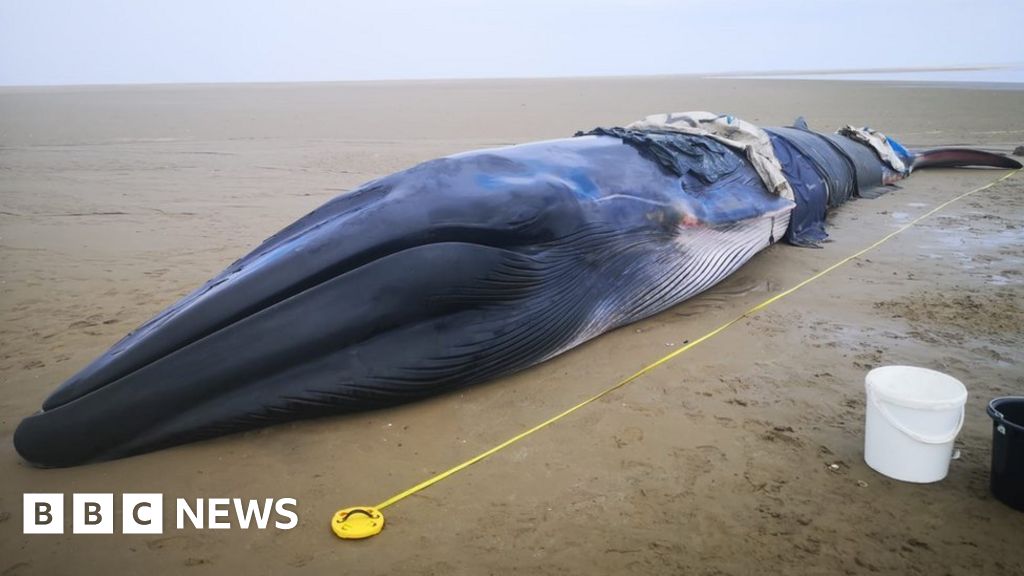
(358, 522)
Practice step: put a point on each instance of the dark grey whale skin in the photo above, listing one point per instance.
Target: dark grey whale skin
(450, 273)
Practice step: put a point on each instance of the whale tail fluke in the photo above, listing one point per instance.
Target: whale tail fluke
(960, 157)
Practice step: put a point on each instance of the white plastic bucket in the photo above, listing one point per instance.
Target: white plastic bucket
(913, 417)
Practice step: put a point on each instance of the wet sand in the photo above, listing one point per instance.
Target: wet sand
(116, 201)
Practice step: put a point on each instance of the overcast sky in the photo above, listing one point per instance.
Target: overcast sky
(150, 41)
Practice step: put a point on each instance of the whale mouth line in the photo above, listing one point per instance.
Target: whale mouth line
(64, 396)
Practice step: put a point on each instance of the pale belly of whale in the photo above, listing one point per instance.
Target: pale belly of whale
(701, 257)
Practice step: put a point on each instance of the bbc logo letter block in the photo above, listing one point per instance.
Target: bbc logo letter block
(93, 513)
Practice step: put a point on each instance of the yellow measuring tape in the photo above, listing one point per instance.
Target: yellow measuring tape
(366, 521)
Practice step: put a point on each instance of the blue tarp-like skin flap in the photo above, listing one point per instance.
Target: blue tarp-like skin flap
(704, 158)
(807, 222)
(719, 186)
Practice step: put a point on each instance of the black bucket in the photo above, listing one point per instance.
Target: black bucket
(1008, 450)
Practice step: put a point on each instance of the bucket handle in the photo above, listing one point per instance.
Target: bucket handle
(923, 438)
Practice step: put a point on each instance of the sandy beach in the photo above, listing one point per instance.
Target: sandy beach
(742, 456)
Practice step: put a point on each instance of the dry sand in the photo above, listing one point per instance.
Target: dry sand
(115, 201)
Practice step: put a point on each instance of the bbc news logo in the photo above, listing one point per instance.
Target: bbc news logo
(144, 513)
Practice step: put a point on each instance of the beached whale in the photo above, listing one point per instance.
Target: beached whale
(450, 273)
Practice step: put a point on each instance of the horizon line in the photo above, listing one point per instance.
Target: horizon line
(733, 74)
